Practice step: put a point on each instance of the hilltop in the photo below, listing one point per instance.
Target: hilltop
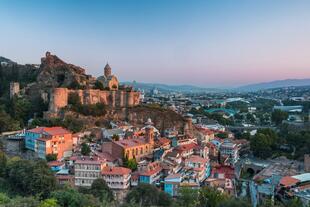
(275, 84)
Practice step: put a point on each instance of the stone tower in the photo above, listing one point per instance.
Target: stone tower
(107, 70)
(307, 162)
(14, 89)
(188, 126)
(149, 134)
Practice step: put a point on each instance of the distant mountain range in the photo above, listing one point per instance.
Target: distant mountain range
(171, 88)
(3, 59)
(275, 84)
(196, 89)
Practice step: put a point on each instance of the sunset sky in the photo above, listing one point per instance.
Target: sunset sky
(214, 43)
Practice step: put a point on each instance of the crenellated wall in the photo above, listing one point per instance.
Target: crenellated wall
(119, 98)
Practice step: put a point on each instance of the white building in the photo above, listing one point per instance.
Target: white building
(87, 169)
(117, 178)
(230, 149)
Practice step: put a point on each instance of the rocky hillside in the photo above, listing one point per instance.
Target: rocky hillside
(11, 71)
(162, 118)
(56, 73)
(37, 81)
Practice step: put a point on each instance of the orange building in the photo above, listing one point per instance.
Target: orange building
(54, 140)
(133, 147)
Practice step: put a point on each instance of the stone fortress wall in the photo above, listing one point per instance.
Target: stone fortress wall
(114, 98)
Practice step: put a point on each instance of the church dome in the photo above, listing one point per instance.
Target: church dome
(107, 66)
(107, 70)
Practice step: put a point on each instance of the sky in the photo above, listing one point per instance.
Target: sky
(218, 43)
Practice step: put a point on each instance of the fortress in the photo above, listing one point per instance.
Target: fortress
(111, 93)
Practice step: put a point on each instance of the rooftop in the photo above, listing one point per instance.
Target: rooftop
(127, 143)
(115, 171)
(186, 147)
(49, 130)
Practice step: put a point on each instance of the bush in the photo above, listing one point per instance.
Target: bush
(51, 157)
(85, 149)
(74, 99)
(97, 109)
(99, 85)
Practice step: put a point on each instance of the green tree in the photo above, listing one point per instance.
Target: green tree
(235, 203)
(85, 149)
(20, 109)
(115, 137)
(4, 199)
(99, 85)
(260, 145)
(3, 161)
(211, 197)
(100, 190)
(222, 135)
(51, 157)
(23, 202)
(130, 163)
(7, 123)
(69, 197)
(296, 202)
(278, 116)
(30, 177)
(74, 99)
(51, 202)
(250, 118)
(188, 197)
(43, 181)
(264, 142)
(147, 195)
(71, 123)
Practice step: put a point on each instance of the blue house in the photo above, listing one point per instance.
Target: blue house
(151, 174)
(172, 183)
(157, 154)
(31, 137)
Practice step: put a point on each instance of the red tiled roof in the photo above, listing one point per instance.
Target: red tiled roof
(88, 159)
(49, 130)
(115, 171)
(152, 169)
(288, 181)
(56, 131)
(196, 158)
(228, 171)
(107, 156)
(172, 176)
(186, 147)
(163, 141)
(126, 143)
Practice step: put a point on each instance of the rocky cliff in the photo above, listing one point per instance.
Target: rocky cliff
(137, 116)
(56, 73)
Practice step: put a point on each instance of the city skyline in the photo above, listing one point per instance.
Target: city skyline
(203, 43)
